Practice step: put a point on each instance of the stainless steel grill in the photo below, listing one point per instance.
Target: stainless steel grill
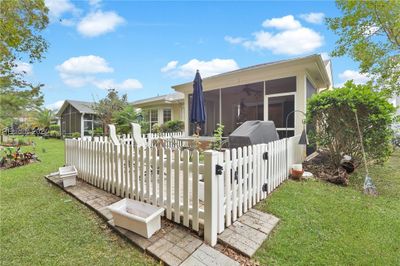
(253, 132)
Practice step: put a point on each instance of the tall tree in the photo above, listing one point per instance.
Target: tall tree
(369, 32)
(107, 108)
(21, 22)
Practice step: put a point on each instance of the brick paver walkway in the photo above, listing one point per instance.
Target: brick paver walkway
(173, 244)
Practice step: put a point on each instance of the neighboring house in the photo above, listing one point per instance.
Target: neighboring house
(267, 91)
(77, 116)
(161, 109)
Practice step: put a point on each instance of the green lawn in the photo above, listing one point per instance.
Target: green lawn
(320, 223)
(324, 224)
(41, 225)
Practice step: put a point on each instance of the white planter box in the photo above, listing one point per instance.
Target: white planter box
(68, 175)
(139, 217)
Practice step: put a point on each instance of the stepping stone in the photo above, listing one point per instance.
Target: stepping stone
(175, 246)
(242, 238)
(207, 256)
(248, 233)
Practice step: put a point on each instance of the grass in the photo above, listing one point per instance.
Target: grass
(320, 223)
(324, 224)
(41, 225)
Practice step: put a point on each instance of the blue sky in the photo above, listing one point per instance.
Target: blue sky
(142, 48)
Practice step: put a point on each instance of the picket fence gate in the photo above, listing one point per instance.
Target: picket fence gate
(231, 181)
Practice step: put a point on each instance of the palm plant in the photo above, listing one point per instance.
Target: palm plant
(44, 117)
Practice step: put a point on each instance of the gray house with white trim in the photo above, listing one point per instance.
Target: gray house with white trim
(77, 116)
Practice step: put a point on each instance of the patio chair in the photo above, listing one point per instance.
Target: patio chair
(136, 135)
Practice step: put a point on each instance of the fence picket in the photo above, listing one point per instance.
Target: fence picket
(245, 178)
(195, 191)
(186, 178)
(235, 178)
(154, 176)
(169, 183)
(228, 187)
(177, 211)
(161, 177)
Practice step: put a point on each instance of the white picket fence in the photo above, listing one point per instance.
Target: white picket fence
(170, 178)
(168, 139)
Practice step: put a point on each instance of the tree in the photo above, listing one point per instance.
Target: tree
(106, 108)
(21, 22)
(124, 118)
(333, 114)
(369, 32)
(44, 117)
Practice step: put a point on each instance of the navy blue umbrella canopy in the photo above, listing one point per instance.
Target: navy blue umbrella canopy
(198, 112)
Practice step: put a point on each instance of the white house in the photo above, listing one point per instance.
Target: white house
(267, 91)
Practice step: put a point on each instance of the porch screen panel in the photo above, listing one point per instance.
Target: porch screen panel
(212, 108)
(240, 104)
(278, 109)
(280, 85)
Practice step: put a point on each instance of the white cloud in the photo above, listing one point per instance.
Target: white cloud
(98, 23)
(171, 65)
(59, 7)
(234, 40)
(291, 38)
(94, 3)
(206, 68)
(290, 42)
(55, 106)
(315, 18)
(357, 77)
(89, 64)
(283, 23)
(128, 84)
(81, 71)
(23, 68)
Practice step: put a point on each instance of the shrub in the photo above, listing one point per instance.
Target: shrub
(333, 114)
(172, 126)
(54, 128)
(218, 133)
(98, 131)
(54, 133)
(76, 135)
(145, 126)
(156, 128)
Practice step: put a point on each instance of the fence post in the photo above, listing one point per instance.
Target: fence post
(210, 197)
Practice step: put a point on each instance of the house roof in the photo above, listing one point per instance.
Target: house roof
(167, 98)
(82, 107)
(315, 57)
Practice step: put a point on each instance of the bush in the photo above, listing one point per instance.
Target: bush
(54, 128)
(76, 135)
(98, 132)
(156, 128)
(54, 134)
(172, 126)
(145, 127)
(333, 115)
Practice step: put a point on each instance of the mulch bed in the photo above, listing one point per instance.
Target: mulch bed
(319, 166)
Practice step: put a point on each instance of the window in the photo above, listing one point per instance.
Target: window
(167, 115)
(153, 117)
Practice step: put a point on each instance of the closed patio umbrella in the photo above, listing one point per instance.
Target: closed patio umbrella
(198, 112)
